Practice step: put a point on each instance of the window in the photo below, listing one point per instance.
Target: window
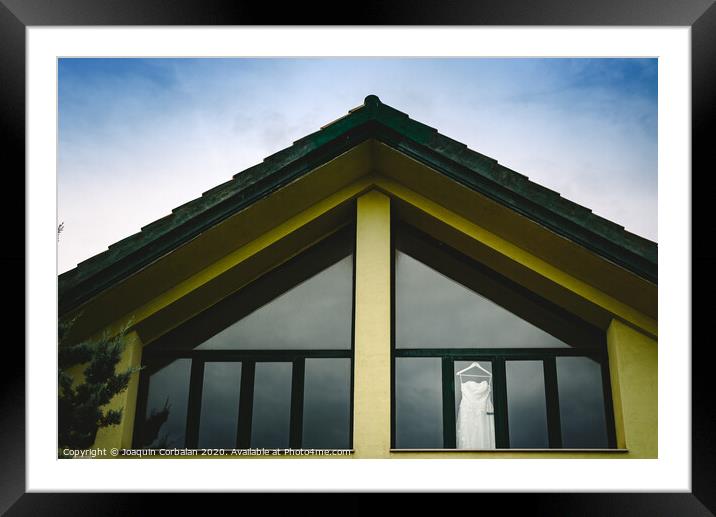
(479, 362)
(270, 366)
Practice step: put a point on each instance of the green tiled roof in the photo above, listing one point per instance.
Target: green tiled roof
(396, 129)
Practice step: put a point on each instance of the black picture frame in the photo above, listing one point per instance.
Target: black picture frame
(17, 15)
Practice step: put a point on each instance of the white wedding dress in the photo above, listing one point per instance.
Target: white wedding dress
(475, 417)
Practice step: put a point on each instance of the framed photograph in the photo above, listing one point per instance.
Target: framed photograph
(418, 259)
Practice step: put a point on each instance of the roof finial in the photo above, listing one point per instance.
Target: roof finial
(371, 100)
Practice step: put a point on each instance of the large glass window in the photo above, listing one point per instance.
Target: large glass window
(270, 366)
(418, 403)
(482, 363)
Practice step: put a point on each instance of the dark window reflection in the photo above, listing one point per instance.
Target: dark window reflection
(581, 403)
(527, 408)
(326, 404)
(315, 314)
(165, 417)
(220, 405)
(418, 403)
(270, 425)
(434, 311)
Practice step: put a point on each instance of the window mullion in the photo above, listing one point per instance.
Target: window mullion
(499, 381)
(246, 404)
(297, 384)
(449, 439)
(608, 404)
(141, 410)
(554, 425)
(196, 384)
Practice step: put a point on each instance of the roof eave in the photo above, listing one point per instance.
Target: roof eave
(395, 129)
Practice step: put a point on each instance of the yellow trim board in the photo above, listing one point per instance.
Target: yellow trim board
(358, 166)
(447, 219)
(470, 238)
(214, 244)
(562, 253)
(320, 219)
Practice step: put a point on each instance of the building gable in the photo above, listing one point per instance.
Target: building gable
(300, 193)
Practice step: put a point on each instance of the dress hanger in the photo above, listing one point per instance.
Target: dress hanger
(475, 365)
(462, 373)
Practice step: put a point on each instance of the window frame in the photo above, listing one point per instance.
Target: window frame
(162, 350)
(596, 350)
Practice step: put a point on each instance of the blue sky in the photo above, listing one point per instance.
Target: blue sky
(138, 137)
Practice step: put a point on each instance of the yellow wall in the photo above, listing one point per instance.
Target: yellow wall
(371, 429)
(633, 364)
(119, 436)
(633, 353)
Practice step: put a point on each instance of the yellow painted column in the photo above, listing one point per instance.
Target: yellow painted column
(633, 359)
(371, 395)
(120, 436)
